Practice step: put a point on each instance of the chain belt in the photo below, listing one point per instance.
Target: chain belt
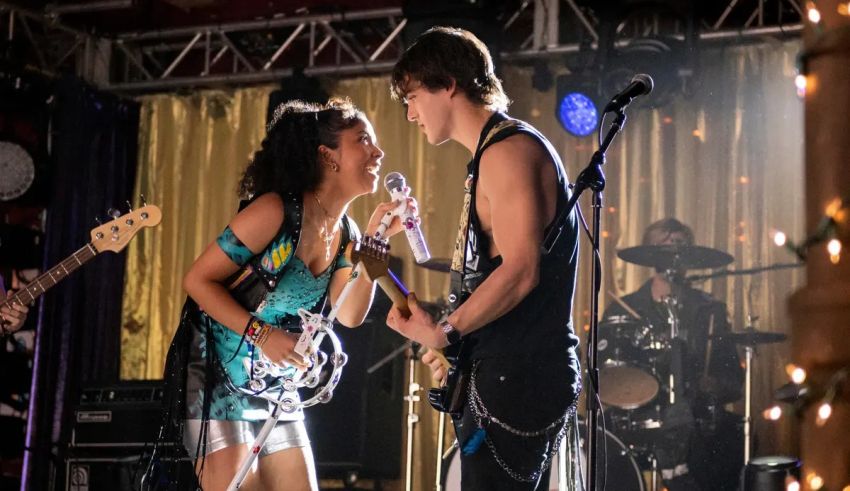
(480, 413)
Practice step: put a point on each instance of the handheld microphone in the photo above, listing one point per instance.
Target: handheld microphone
(641, 85)
(395, 184)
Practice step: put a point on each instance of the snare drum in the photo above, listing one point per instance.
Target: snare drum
(622, 473)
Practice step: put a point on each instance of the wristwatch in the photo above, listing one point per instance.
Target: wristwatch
(452, 334)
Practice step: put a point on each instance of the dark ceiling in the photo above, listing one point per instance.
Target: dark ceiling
(146, 15)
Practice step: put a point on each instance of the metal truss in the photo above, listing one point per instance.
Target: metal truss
(338, 44)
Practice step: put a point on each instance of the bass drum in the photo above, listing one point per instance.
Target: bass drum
(622, 473)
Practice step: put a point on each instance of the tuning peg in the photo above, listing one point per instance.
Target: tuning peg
(142, 198)
(113, 213)
(97, 219)
(129, 206)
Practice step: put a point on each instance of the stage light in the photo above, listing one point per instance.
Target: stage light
(577, 114)
(577, 104)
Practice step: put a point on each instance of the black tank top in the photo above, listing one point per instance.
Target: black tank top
(542, 321)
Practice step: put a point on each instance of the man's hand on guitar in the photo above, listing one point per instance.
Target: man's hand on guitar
(419, 327)
(279, 348)
(12, 315)
(438, 365)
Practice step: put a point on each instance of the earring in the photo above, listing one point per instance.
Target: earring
(335, 167)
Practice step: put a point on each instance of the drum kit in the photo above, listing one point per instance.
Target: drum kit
(638, 374)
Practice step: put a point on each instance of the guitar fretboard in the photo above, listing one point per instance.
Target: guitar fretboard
(45, 281)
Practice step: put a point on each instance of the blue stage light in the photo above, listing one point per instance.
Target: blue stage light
(577, 114)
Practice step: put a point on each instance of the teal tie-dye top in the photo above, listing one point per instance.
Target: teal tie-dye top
(297, 288)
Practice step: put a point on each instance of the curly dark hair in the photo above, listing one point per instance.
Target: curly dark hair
(288, 160)
(443, 54)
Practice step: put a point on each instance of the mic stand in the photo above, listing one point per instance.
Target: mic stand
(591, 178)
(412, 398)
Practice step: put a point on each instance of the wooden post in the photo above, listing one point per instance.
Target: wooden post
(821, 309)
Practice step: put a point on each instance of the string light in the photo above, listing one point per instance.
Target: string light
(812, 12)
(793, 485)
(773, 413)
(797, 374)
(815, 481)
(844, 9)
(824, 412)
(834, 249)
(836, 214)
(800, 81)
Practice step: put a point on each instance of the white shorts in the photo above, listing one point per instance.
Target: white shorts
(222, 434)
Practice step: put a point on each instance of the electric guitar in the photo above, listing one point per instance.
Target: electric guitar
(374, 255)
(111, 236)
(449, 397)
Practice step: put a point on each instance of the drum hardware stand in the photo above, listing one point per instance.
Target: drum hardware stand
(441, 441)
(591, 178)
(749, 351)
(412, 398)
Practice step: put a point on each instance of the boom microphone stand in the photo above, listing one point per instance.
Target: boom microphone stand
(591, 178)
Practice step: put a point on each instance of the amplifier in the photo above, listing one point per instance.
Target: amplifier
(127, 414)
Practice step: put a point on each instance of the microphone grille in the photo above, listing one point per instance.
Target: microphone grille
(394, 180)
(646, 80)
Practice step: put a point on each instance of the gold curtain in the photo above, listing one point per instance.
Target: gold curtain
(726, 159)
(193, 150)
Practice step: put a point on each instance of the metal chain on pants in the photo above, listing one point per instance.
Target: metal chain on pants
(480, 413)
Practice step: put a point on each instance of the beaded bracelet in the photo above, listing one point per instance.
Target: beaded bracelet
(257, 331)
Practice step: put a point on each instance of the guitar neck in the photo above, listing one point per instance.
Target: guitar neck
(396, 290)
(47, 280)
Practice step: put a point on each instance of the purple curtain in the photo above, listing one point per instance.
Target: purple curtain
(94, 145)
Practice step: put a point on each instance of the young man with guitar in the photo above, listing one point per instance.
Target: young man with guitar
(515, 377)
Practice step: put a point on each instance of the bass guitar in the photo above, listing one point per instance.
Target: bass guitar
(112, 236)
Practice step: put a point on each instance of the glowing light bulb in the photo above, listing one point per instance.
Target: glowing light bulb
(772, 413)
(800, 82)
(793, 485)
(814, 14)
(834, 249)
(797, 374)
(779, 238)
(815, 481)
(824, 412)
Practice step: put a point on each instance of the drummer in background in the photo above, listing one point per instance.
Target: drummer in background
(697, 447)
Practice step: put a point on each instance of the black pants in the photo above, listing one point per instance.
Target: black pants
(528, 394)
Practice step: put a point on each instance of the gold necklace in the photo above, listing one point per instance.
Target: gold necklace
(326, 235)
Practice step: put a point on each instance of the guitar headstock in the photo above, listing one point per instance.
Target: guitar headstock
(114, 235)
(373, 254)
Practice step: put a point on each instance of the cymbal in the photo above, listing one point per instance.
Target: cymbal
(439, 264)
(751, 337)
(675, 256)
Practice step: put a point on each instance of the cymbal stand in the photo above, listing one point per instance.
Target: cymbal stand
(749, 352)
(441, 441)
(412, 398)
